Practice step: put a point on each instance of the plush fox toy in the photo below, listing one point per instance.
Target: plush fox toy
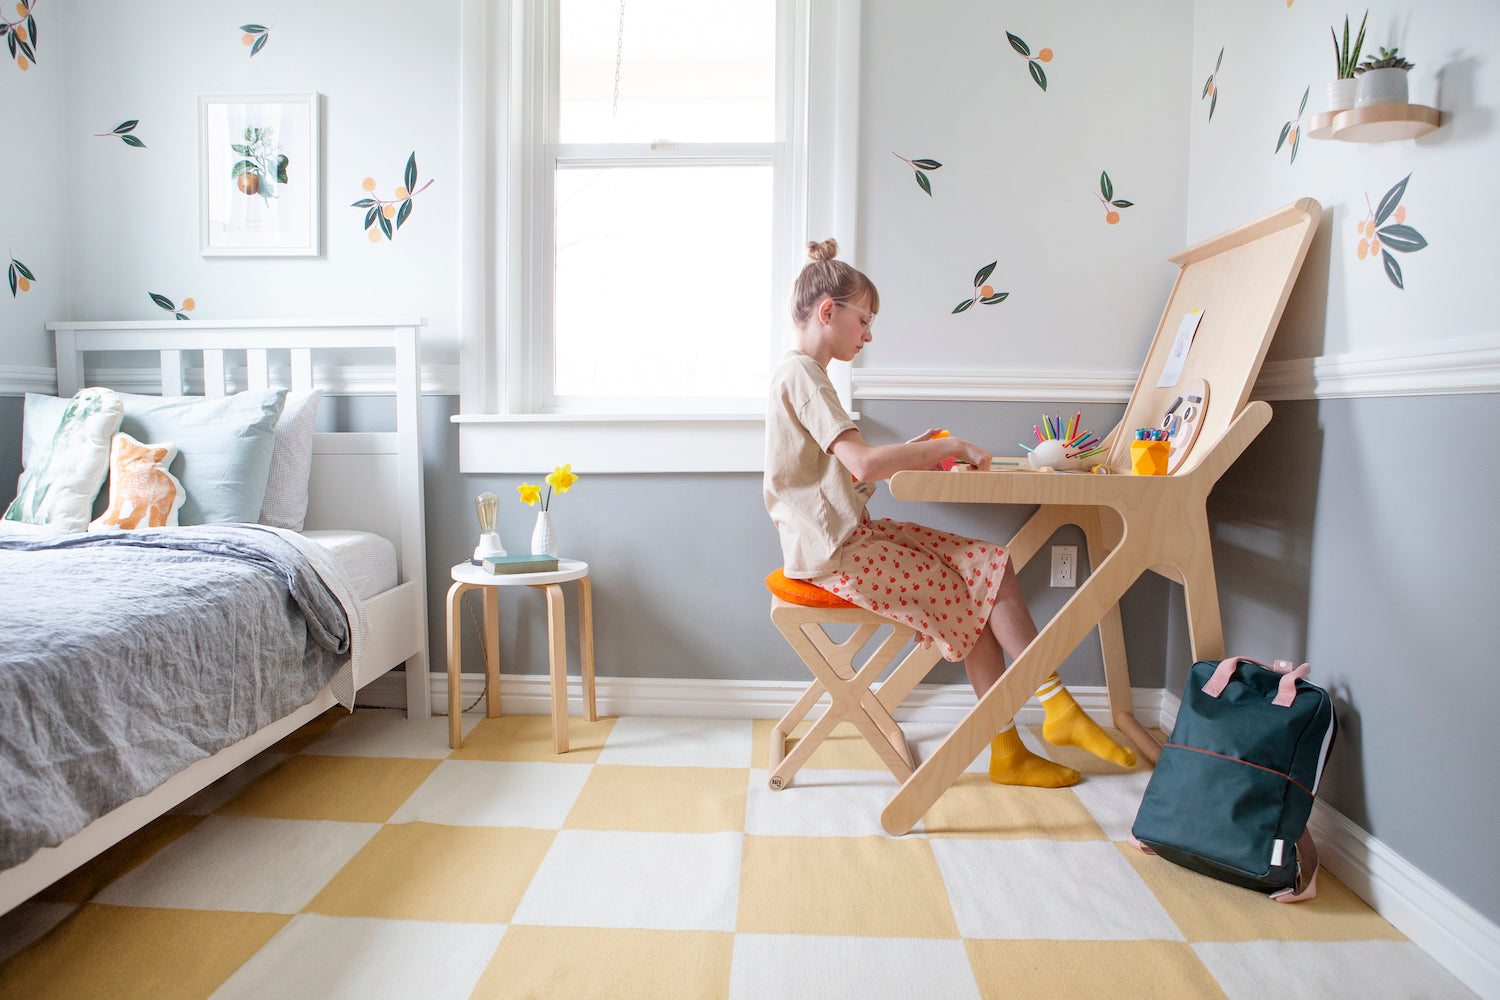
(142, 493)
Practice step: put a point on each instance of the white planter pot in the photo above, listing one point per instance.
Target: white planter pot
(1341, 94)
(1381, 86)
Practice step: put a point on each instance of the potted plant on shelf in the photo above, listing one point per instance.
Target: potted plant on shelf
(1382, 80)
(1341, 92)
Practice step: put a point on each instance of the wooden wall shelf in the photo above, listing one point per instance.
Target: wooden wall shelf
(1374, 123)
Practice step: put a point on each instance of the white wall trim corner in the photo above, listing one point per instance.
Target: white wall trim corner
(1440, 368)
(17, 380)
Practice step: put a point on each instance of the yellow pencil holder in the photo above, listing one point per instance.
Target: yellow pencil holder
(1149, 458)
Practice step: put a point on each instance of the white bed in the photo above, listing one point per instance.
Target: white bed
(361, 484)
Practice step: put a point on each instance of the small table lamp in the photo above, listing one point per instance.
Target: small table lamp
(487, 505)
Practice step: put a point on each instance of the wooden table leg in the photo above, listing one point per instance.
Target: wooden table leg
(586, 646)
(492, 651)
(455, 664)
(557, 657)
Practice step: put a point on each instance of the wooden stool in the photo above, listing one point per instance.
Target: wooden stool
(832, 664)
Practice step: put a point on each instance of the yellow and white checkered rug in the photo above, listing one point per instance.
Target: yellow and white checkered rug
(360, 858)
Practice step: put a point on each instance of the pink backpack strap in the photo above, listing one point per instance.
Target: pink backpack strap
(1220, 680)
(1142, 847)
(1307, 871)
(1286, 691)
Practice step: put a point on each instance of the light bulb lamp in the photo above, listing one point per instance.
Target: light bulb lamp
(487, 505)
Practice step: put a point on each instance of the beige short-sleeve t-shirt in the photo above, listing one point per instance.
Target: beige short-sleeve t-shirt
(813, 500)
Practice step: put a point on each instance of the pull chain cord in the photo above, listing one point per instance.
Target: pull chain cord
(614, 111)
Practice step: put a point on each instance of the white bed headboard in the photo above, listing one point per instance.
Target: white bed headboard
(369, 481)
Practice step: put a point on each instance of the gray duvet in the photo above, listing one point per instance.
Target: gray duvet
(126, 656)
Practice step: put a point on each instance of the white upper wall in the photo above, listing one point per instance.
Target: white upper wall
(1020, 180)
(1272, 53)
(388, 75)
(32, 177)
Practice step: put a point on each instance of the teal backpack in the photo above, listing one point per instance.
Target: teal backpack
(1233, 788)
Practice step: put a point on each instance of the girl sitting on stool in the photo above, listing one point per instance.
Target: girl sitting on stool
(820, 474)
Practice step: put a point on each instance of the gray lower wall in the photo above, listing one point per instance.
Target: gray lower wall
(1337, 539)
(1360, 535)
(678, 562)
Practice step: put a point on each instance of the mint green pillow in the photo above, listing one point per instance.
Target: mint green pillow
(223, 448)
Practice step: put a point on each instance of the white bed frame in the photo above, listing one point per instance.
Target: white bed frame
(362, 481)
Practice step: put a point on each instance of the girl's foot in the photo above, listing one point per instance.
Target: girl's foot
(1068, 725)
(1011, 763)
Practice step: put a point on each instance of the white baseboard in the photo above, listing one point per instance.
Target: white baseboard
(1457, 936)
(530, 694)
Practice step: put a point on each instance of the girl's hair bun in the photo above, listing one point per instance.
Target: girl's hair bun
(823, 252)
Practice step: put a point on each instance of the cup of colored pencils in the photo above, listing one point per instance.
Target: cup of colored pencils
(1063, 445)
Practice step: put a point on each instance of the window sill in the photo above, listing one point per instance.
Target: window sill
(529, 443)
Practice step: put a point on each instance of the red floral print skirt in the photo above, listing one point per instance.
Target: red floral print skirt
(942, 585)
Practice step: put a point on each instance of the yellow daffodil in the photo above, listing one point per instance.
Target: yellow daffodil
(562, 478)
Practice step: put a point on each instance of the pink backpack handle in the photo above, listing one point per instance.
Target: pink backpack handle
(1285, 693)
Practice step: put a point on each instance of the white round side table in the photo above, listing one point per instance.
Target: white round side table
(467, 576)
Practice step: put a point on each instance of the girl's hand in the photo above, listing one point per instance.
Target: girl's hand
(976, 456)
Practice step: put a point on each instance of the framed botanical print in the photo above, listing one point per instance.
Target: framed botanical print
(259, 175)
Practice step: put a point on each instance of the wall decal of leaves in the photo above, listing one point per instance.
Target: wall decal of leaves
(1293, 128)
(919, 167)
(187, 305)
(983, 294)
(1377, 239)
(379, 212)
(1211, 89)
(1107, 198)
(20, 277)
(255, 36)
(20, 34)
(1033, 62)
(123, 130)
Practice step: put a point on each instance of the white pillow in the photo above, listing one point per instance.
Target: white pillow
(39, 419)
(64, 475)
(285, 505)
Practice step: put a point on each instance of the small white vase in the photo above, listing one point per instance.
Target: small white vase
(543, 538)
(1341, 94)
(1381, 86)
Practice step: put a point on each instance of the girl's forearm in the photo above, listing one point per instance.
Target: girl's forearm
(872, 463)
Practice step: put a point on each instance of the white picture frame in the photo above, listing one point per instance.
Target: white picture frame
(259, 175)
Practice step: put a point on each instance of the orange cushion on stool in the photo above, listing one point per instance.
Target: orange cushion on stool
(809, 595)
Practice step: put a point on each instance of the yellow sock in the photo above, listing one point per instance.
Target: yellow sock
(1011, 763)
(1068, 725)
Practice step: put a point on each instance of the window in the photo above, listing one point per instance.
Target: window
(664, 156)
(652, 173)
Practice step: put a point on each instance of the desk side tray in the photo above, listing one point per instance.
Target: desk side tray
(1242, 280)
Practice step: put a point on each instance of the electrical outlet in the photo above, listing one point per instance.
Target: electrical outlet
(1064, 565)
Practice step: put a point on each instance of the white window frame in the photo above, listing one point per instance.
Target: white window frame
(508, 421)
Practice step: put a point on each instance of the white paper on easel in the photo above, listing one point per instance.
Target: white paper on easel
(1185, 333)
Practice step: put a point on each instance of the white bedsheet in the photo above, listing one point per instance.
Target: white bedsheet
(368, 559)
